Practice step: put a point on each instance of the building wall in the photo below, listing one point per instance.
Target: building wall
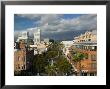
(88, 64)
(19, 60)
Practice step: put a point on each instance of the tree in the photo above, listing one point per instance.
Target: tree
(77, 58)
(51, 40)
(64, 67)
(51, 70)
(39, 63)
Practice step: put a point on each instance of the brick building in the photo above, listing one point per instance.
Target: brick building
(86, 44)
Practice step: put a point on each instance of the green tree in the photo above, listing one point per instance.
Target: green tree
(51, 70)
(64, 67)
(39, 63)
(51, 40)
(77, 58)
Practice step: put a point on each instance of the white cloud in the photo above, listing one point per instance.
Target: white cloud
(54, 23)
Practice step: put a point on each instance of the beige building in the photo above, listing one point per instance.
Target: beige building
(87, 37)
(39, 48)
(19, 60)
(20, 57)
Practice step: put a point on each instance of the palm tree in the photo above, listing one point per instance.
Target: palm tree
(77, 58)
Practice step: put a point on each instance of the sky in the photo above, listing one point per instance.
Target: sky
(55, 26)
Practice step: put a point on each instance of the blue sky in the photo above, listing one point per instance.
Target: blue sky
(22, 23)
(56, 25)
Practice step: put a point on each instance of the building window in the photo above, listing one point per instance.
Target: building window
(35, 34)
(18, 58)
(18, 66)
(95, 48)
(37, 40)
(92, 74)
(93, 57)
(89, 39)
(86, 56)
(93, 66)
(24, 66)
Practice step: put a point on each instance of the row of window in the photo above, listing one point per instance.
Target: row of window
(91, 48)
(84, 40)
(22, 67)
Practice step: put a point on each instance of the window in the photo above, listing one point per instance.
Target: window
(24, 66)
(37, 40)
(35, 34)
(93, 66)
(18, 58)
(18, 66)
(95, 48)
(86, 56)
(93, 57)
(89, 39)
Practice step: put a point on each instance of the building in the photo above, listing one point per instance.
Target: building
(19, 60)
(87, 37)
(87, 44)
(23, 36)
(22, 57)
(37, 36)
(67, 43)
(39, 49)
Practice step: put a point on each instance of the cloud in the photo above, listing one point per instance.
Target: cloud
(57, 24)
(30, 16)
(84, 22)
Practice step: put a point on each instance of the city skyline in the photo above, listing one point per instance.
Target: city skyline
(55, 26)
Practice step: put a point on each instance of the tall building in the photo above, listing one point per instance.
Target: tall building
(37, 36)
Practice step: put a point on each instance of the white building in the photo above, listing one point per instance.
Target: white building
(39, 49)
(37, 36)
(67, 43)
(23, 36)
